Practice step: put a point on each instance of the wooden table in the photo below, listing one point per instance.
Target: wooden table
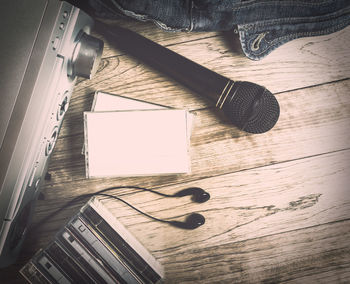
(280, 201)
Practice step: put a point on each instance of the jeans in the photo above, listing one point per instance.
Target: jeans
(263, 25)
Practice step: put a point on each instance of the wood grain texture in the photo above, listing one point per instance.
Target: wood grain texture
(248, 204)
(280, 203)
(313, 121)
(251, 217)
(292, 257)
(300, 63)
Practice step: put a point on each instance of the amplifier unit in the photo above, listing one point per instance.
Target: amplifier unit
(45, 45)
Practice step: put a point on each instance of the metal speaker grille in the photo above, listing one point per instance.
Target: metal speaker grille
(251, 107)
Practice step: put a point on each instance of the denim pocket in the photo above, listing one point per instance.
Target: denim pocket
(260, 38)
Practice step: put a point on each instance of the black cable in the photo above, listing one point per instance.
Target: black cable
(102, 193)
(134, 187)
(133, 207)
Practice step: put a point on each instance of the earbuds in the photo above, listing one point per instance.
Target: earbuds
(198, 194)
(192, 221)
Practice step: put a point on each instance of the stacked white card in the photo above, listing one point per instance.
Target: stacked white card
(127, 137)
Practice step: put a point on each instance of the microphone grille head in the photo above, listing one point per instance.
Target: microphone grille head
(251, 107)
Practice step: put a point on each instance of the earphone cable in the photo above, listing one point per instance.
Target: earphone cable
(102, 193)
(132, 206)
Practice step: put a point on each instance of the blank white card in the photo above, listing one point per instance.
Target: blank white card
(140, 142)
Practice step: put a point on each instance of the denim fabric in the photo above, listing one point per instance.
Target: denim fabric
(263, 25)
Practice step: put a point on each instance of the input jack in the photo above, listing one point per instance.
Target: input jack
(51, 141)
(63, 107)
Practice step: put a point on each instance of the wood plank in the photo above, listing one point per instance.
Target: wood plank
(297, 64)
(243, 205)
(319, 254)
(312, 122)
(260, 224)
(249, 204)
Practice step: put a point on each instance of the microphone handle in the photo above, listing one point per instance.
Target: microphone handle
(188, 73)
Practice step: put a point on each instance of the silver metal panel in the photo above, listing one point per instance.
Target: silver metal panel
(20, 23)
(33, 84)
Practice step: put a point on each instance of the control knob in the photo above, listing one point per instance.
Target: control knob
(86, 56)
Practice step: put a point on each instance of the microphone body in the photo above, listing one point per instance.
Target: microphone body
(249, 106)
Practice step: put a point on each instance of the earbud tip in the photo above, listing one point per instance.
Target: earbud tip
(195, 220)
(202, 197)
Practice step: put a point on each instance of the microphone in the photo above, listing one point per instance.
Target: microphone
(248, 106)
